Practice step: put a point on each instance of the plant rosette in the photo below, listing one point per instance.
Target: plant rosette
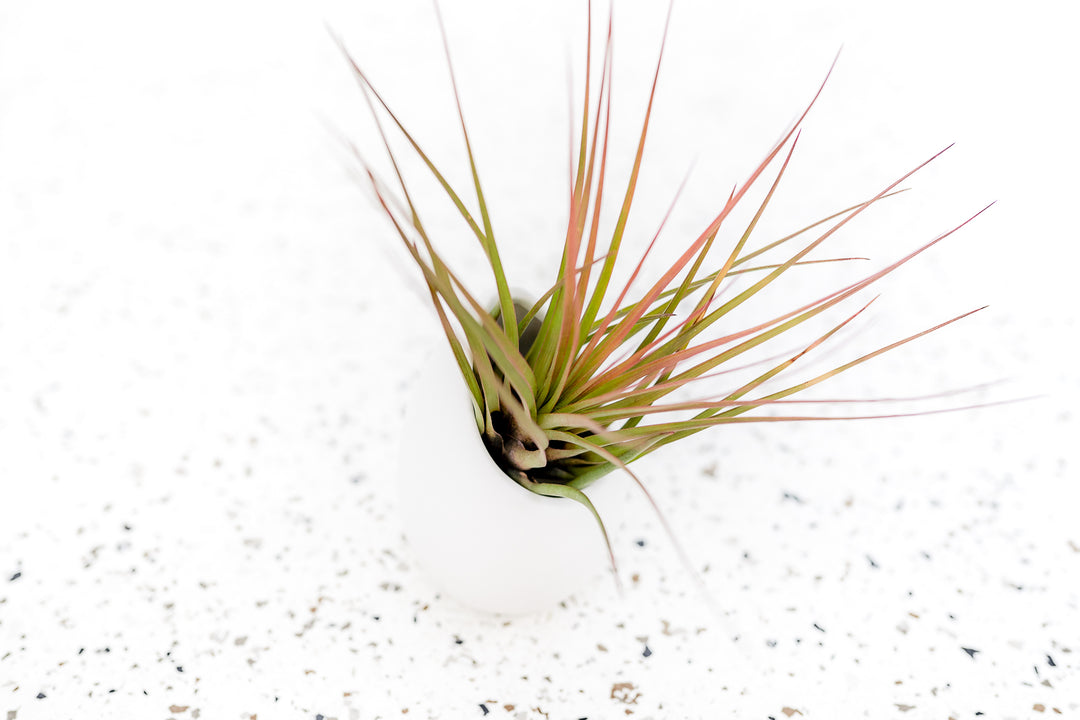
(597, 373)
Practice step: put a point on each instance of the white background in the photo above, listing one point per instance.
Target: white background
(206, 335)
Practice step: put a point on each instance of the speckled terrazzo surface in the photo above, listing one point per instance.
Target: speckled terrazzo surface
(202, 343)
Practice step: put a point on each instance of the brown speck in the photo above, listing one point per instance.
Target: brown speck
(621, 692)
(601, 648)
(1038, 707)
(904, 708)
(240, 640)
(508, 708)
(178, 708)
(1075, 548)
(789, 711)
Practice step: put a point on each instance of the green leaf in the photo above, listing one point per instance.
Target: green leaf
(572, 493)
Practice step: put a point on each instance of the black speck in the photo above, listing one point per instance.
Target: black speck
(82, 650)
(15, 577)
(1050, 661)
(770, 643)
(818, 627)
(127, 527)
(872, 563)
(458, 641)
(647, 652)
(112, 691)
(179, 668)
(639, 543)
(792, 496)
(319, 717)
(484, 708)
(971, 652)
(41, 696)
(978, 712)
(376, 618)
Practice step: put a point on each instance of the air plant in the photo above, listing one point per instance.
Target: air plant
(579, 383)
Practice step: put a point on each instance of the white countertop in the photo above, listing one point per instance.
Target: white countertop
(205, 334)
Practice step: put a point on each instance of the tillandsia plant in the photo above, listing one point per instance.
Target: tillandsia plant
(580, 382)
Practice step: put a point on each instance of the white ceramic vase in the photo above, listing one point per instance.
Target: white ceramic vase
(482, 538)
